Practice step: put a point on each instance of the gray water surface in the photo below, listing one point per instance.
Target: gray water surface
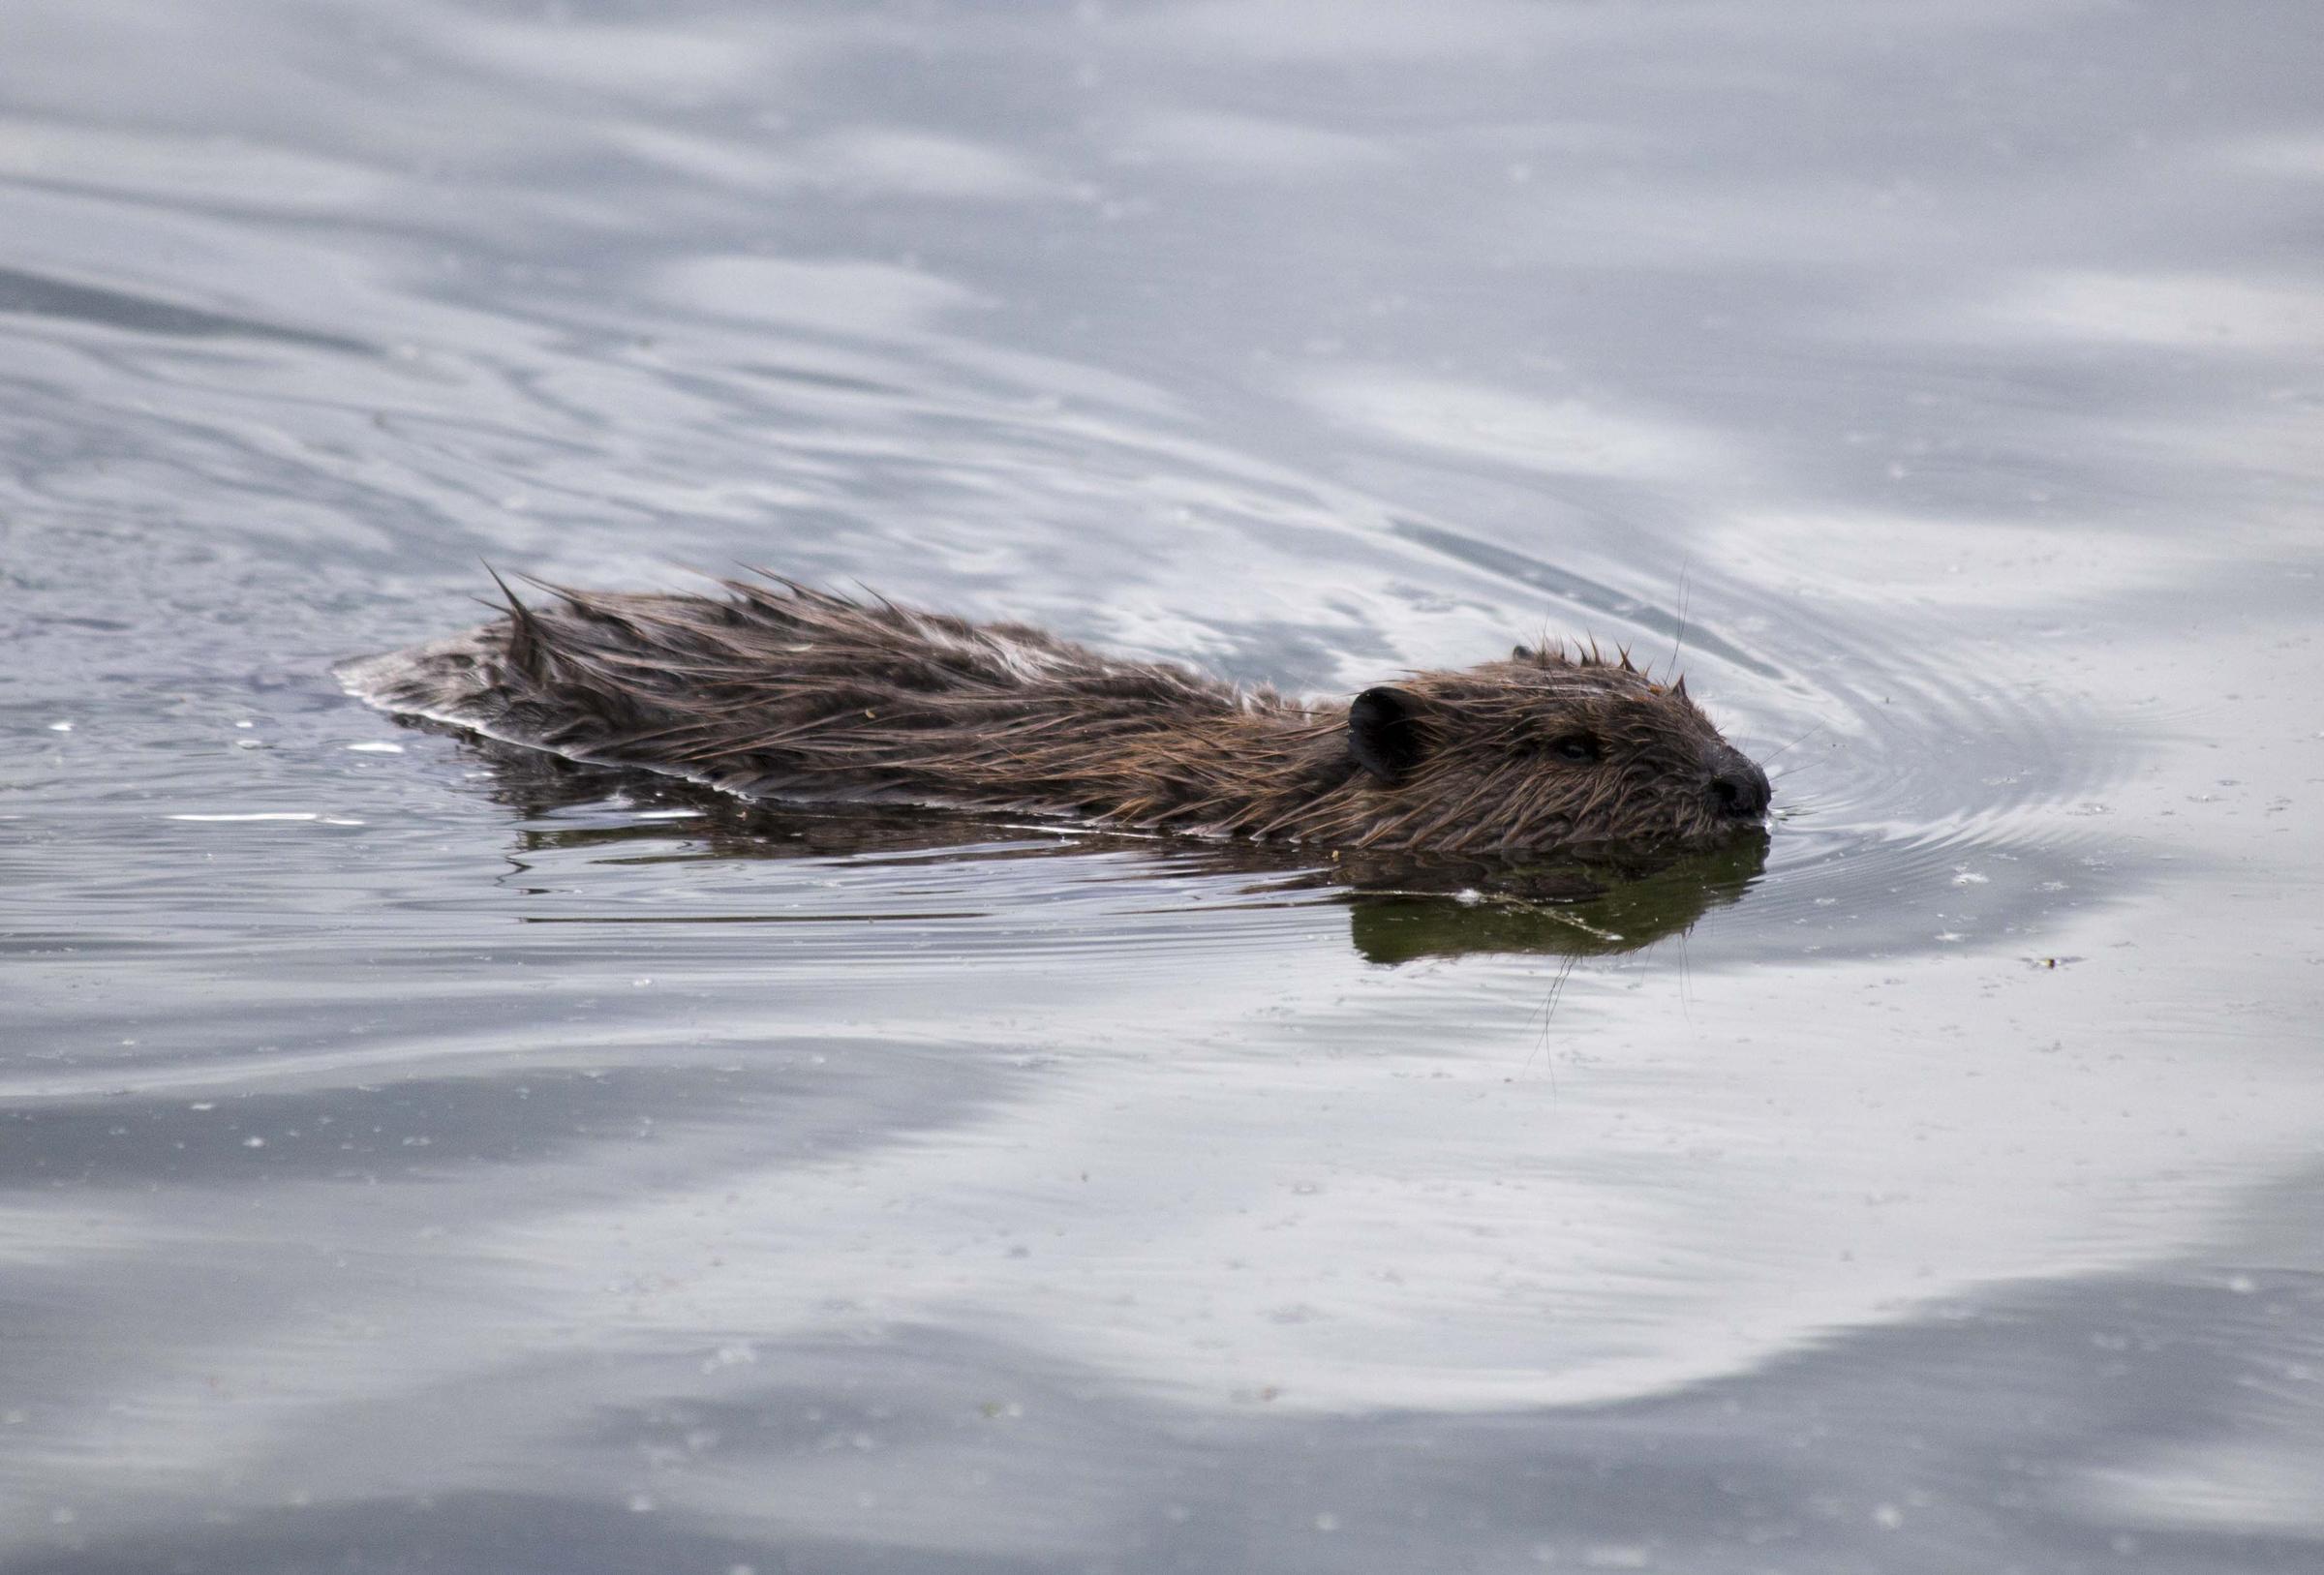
(413, 1160)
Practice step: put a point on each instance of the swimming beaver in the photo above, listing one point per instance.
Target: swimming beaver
(776, 691)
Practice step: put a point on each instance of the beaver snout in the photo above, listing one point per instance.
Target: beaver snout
(1738, 788)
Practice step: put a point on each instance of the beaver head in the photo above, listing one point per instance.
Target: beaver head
(1546, 751)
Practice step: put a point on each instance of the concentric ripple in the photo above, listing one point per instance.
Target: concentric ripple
(411, 1155)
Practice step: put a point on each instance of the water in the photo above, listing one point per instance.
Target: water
(416, 1162)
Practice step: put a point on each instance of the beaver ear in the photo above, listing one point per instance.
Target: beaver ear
(1385, 733)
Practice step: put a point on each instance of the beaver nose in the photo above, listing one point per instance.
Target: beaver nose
(1740, 788)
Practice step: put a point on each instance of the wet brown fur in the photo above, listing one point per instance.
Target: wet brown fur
(776, 691)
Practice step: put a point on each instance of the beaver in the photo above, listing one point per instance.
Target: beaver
(772, 689)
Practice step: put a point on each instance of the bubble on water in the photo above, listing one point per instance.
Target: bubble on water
(376, 746)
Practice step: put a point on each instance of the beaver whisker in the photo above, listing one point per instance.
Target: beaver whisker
(1793, 745)
(1679, 643)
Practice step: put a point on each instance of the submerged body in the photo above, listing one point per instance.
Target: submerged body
(777, 691)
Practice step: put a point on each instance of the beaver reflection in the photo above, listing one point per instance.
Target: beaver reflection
(1574, 912)
(1399, 907)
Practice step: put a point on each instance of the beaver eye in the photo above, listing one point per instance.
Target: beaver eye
(1575, 748)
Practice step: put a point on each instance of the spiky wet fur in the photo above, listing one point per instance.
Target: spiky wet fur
(776, 691)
